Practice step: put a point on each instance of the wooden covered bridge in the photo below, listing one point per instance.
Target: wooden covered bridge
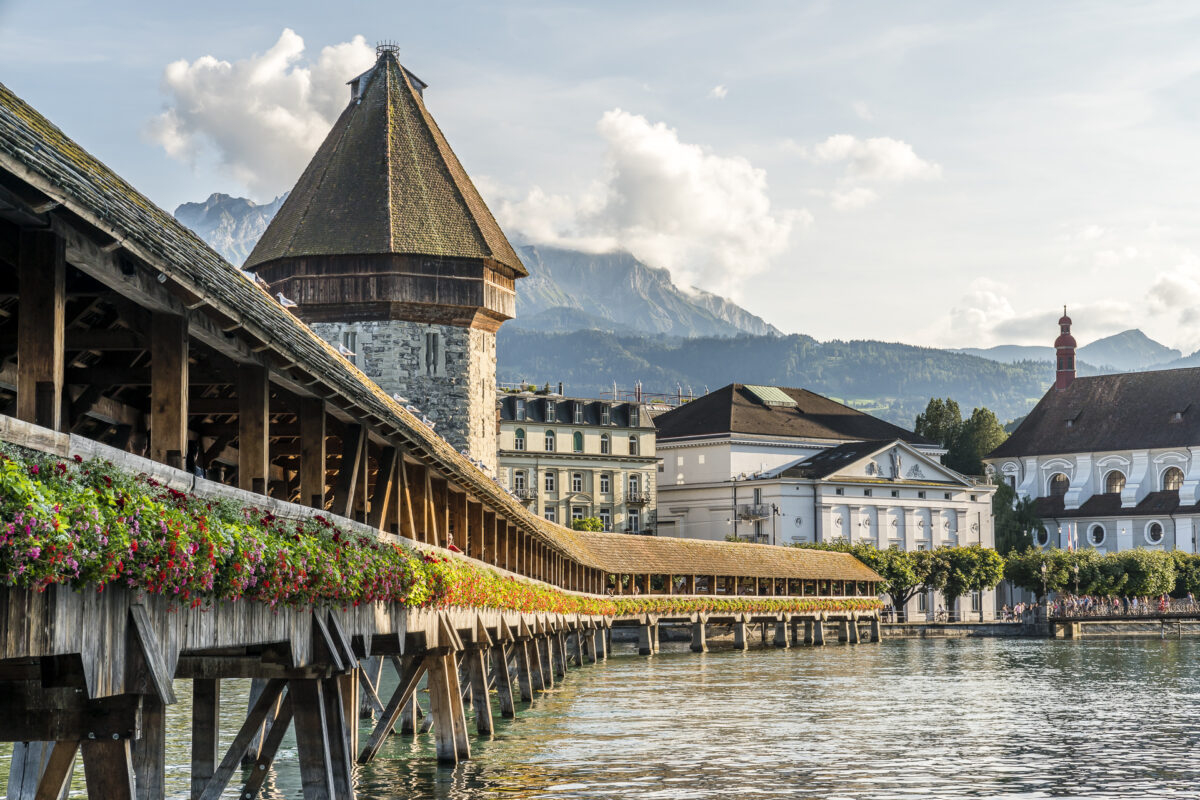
(125, 338)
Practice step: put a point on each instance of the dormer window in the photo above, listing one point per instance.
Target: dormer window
(551, 411)
(1177, 417)
(520, 409)
(578, 413)
(633, 416)
(605, 415)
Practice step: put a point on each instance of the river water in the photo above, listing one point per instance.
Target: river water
(1097, 718)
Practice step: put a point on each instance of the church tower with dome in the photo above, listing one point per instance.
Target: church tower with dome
(1064, 346)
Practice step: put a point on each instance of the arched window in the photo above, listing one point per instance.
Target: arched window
(578, 442)
(1059, 484)
(519, 439)
(1154, 533)
(1114, 482)
(633, 444)
(1096, 535)
(605, 444)
(1172, 479)
(549, 441)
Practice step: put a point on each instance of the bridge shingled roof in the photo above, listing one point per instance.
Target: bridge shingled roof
(37, 152)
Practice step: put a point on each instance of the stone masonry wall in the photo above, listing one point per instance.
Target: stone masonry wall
(447, 372)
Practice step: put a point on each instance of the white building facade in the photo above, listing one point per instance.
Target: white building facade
(784, 466)
(572, 458)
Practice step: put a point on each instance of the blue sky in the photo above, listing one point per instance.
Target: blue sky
(935, 173)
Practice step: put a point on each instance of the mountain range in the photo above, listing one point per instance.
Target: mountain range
(1129, 350)
(595, 321)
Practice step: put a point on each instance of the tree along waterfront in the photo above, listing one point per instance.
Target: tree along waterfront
(953, 571)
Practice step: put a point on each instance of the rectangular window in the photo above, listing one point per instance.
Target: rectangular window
(576, 513)
(551, 514)
(578, 413)
(895, 492)
(576, 481)
(551, 411)
(520, 413)
(974, 498)
(549, 481)
(921, 495)
(633, 416)
(350, 343)
(839, 491)
(700, 458)
(519, 480)
(635, 520)
(605, 415)
(922, 603)
(976, 601)
(433, 354)
(947, 495)
(635, 484)
(605, 484)
(866, 492)
(606, 519)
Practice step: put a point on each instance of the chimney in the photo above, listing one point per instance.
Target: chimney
(1064, 346)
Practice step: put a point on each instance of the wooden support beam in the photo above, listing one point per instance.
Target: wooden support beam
(477, 672)
(312, 452)
(341, 760)
(381, 493)
(266, 754)
(503, 679)
(410, 673)
(254, 391)
(206, 719)
(41, 269)
(168, 388)
(353, 444)
(312, 742)
(108, 769)
(265, 705)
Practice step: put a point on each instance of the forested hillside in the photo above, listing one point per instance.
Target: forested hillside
(894, 381)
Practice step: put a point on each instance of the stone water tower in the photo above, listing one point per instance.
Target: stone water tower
(391, 254)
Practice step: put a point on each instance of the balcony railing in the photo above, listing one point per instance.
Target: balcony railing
(526, 494)
(753, 511)
(637, 498)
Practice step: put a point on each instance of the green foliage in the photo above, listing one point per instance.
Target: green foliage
(1129, 573)
(941, 422)
(1015, 520)
(587, 524)
(966, 441)
(954, 571)
(980, 434)
(967, 569)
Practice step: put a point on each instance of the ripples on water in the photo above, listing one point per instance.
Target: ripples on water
(1097, 718)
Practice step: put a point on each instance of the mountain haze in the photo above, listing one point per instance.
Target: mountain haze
(615, 291)
(230, 225)
(1129, 350)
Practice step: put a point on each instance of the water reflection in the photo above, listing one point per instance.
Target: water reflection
(1097, 718)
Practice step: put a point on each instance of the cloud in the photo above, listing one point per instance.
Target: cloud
(876, 159)
(707, 218)
(863, 111)
(261, 117)
(718, 92)
(853, 199)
